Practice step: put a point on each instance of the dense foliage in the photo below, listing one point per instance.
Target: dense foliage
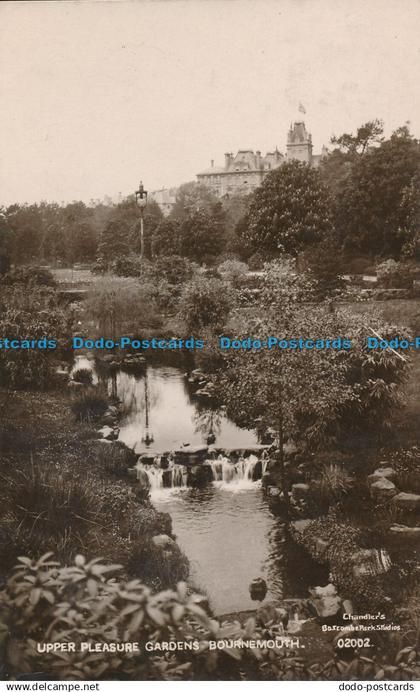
(290, 210)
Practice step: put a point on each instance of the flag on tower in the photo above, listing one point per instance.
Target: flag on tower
(301, 108)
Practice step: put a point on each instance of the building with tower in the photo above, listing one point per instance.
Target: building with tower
(245, 171)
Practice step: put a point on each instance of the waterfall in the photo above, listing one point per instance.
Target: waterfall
(154, 474)
(174, 476)
(240, 475)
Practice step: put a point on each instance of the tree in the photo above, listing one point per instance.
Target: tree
(313, 396)
(121, 305)
(369, 210)
(165, 239)
(5, 244)
(290, 210)
(368, 134)
(201, 237)
(114, 241)
(192, 197)
(205, 303)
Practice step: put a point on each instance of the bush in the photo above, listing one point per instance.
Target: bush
(30, 314)
(392, 274)
(342, 539)
(333, 483)
(46, 601)
(37, 276)
(89, 404)
(233, 271)
(48, 505)
(83, 376)
(173, 269)
(121, 306)
(114, 458)
(205, 303)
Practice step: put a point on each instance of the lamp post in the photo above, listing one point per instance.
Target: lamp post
(141, 200)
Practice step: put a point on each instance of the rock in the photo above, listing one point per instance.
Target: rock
(325, 601)
(405, 531)
(407, 501)
(300, 491)
(321, 546)
(191, 454)
(109, 419)
(347, 606)
(270, 615)
(164, 541)
(382, 490)
(370, 562)
(266, 479)
(273, 491)
(75, 385)
(143, 480)
(199, 476)
(107, 432)
(258, 589)
(146, 459)
(300, 525)
(387, 473)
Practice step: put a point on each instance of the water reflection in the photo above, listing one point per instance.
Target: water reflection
(159, 405)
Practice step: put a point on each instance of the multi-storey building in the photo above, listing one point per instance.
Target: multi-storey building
(246, 170)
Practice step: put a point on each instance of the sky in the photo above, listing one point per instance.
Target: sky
(98, 95)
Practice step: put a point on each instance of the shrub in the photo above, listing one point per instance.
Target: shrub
(48, 505)
(114, 458)
(38, 276)
(334, 481)
(45, 601)
(156, 566)
(89, 404)
(342, 540)
(30, 314)
(174, 269)
(392, 274)
(83, 376)
(233, 271)
(205, 303)
(121, 306)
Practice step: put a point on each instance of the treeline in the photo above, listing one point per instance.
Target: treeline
(364, 200)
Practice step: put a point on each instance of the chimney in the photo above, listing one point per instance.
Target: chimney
(227, 160)
(212, 163)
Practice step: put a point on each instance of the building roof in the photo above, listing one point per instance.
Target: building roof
(212, 169)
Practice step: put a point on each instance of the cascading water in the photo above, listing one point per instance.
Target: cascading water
(174, 476)
(243, 474)
(224, 473)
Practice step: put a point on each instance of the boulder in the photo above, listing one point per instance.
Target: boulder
(300, 491)
(107, 433)
(405, 531)
(370, 562)
(407, 501)
(258, 589)
(75, 385)
(321, 546)
(299, 526)
(382, 490)
(387, 472)
(143, 480)
(164, 541)
(325, 601)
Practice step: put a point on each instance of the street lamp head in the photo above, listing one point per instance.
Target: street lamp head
(141, 196)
